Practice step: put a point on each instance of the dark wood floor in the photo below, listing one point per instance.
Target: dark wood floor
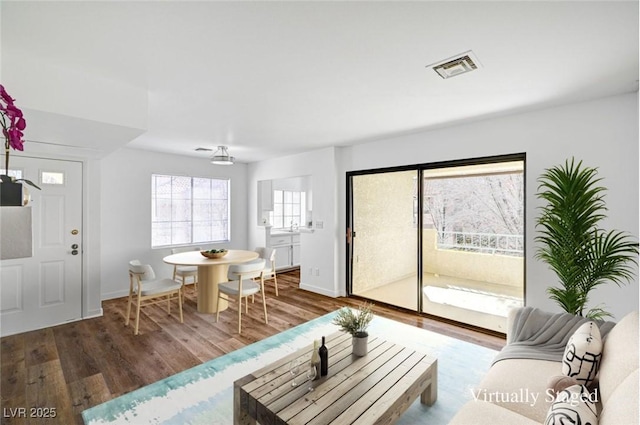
(71, 367)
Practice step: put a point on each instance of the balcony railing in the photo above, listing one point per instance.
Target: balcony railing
(482, 242)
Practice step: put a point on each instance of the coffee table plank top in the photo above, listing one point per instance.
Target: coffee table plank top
(340, 369)
(274, 380)
(343, 388)
(376, 388)
(392, 403)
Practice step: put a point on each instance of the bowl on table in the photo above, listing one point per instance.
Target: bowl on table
(214, 253)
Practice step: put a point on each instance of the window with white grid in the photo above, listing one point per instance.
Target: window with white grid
(288, 209)
(188, 210)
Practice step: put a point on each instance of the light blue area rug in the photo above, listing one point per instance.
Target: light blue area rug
(204, 394)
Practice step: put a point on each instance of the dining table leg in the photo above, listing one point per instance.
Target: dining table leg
(208, 279)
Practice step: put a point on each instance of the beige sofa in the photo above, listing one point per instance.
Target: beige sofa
(524, 381)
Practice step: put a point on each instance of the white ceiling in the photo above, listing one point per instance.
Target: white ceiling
(273, 78)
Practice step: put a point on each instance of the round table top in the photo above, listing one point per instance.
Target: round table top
(194, 258)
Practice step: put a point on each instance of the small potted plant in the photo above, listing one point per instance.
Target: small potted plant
(356, 322)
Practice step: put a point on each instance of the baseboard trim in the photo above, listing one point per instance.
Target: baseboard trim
(319, 290)
(94, 313)
(113, 295)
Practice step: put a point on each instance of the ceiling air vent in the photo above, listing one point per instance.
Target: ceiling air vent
(457, 65)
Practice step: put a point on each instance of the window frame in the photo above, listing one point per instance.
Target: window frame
(282, 201)
(191, 220)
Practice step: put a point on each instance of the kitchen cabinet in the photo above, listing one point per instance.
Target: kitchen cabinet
(287, 246)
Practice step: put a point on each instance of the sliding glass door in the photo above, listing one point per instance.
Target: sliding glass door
(384, 255)
(473, 242)
(456, 251)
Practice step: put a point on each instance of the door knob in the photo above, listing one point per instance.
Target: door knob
(74, 246)
(74, 252)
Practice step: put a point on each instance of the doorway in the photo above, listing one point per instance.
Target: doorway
(46, 289)
(455, 251)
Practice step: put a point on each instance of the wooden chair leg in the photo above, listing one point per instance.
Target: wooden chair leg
(180, 305)
(126, 323)
(264, 305)
(183, 288)
(218, 307)
(240, 313)
(169, 305)
(135, 332)
(275, 282)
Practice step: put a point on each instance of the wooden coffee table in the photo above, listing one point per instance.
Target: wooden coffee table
(373, 389)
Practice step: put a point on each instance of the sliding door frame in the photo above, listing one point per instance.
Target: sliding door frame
(349, 233)
(420, 169)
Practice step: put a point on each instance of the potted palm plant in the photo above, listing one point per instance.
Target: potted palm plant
(582, 255)
(356, 323)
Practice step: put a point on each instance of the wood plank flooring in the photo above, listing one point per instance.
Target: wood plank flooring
(62, 370)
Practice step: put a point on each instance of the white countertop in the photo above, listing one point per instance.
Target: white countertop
(285, 232)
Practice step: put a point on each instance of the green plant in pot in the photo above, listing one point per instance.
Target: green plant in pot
(356, 322)
(582, 255)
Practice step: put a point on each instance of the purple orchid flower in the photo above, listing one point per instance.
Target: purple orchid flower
(13, 124)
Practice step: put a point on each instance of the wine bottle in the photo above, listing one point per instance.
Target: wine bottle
(315, 359)
(324, 359)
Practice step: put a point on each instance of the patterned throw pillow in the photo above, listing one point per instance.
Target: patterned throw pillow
(573, 406)
(583, 353)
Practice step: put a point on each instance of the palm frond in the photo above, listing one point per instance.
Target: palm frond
(597, 313)
(570, 242)
(570, 299)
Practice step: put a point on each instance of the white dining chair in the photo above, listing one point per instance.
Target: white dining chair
(269, 255)
(144, 287)
(241, 285)
(184, 272)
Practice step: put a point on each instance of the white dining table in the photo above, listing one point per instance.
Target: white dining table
(211, 272)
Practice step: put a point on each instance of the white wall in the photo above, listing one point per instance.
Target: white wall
(92, 296)
(318, 250)
(126, 210)
(602, 133)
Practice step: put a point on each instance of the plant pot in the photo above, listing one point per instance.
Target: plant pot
(11, 193)
(360, 345)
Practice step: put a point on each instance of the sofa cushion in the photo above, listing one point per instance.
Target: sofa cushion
(582, 354)
(619, 355)
(622, 405)
(520, 385)
(573, 406)
(475, 412)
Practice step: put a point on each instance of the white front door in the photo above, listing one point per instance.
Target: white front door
(46, 289)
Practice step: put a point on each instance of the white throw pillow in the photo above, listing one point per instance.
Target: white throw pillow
(583, 353)
(573, 406)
